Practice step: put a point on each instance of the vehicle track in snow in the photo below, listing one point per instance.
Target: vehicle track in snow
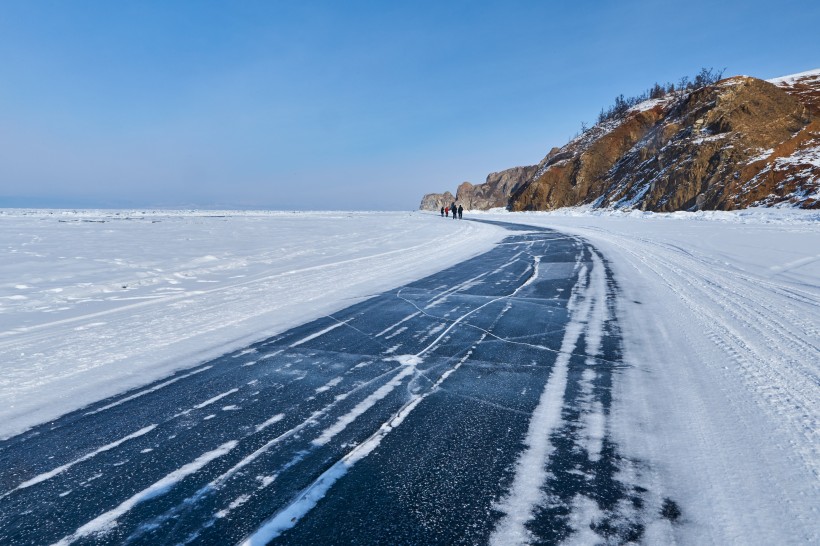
(727, 362)
(775, 346)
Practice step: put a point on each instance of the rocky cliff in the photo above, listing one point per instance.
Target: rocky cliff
(434, 201)
(737, 143)
(494, 192)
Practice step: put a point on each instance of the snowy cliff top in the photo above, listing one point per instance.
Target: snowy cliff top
(791, 79)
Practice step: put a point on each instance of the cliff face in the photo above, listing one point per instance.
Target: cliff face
(495, 192)
(738, 143)
(576, 173)
(434, 201)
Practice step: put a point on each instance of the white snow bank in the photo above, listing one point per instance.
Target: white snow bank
(93, 303)
(652, 103)
(784, 214)
(721, 322)
(791, 79)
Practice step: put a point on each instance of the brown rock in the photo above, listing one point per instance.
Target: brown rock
(700, 150)
(434, 201)
(575, 174)
(495, 192)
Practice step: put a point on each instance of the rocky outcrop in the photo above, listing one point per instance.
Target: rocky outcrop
(738, 143)
(790, 171)
(434, 201)
(576, 173)
(494, 192)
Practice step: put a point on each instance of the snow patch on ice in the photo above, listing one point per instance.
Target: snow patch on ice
(407, 360)
(106, 521)
(150, 390)
(275, 419)
(391, 327)
(318, 334)
(329, 385)
(345, 420)
(216, 398)
(60, 469)
(584, 515)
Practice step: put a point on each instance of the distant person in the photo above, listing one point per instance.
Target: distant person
(460, 211)
(455, 210)
(442, 212)
(447, 212)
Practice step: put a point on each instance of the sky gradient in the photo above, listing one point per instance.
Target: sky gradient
(362, 105)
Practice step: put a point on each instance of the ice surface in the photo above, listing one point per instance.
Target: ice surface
(108, 520)
(719, 311)
(93, 303)
(60, 469)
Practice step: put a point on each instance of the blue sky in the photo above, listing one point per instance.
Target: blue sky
(338, 105)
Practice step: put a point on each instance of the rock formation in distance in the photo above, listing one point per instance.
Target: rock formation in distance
(495, 192)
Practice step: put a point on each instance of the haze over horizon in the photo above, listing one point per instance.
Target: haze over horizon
(323, 105)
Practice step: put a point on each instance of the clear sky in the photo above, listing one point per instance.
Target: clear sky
(338, 104)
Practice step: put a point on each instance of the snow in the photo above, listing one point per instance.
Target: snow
(805, 156)
(216, 398)
(360, 408)
(793, 78)
(710, 138)
(652, 103)
(719, 311)
(93, 303)
(149, 390)
(764, 154)
(317, 334)
(273, 420)
(720, 314)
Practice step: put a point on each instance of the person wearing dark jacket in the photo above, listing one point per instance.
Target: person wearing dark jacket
(453, 208)
(460, 211)
(442, 211)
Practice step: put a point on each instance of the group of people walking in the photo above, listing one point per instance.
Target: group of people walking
(457, 211)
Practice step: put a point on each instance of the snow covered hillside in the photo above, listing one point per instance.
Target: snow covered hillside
(94, 303)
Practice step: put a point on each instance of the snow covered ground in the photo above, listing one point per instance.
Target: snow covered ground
(93, 303)
(720, 315)
(721, 319)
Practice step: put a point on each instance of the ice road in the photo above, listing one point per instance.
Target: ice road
(468, 407)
